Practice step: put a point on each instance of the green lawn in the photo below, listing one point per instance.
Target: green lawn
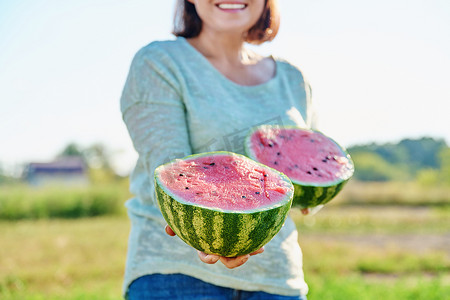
(351, 251)
(63, 259)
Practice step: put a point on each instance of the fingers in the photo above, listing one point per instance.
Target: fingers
(229, 262)
(234, 262)
(208, 258)
(169, 231)
(260, 250)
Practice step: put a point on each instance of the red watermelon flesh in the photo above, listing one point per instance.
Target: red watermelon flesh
(305, 156)
(226, 182)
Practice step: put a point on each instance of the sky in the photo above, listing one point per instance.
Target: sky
(379, 70)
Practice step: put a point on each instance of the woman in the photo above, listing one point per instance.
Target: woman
(202, 92)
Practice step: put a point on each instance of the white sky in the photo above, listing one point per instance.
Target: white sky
(379, 69)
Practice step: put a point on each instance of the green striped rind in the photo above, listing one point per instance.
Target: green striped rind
(215, 231)
(311, 196)
(307, 194)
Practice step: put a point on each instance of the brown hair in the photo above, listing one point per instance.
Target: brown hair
(188, 24)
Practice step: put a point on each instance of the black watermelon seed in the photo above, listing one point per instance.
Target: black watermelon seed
(205, 167)
(324, 160)
(315, 169)
(186, 188)
(309, 172)
(275, 162)
(278, 153)
(265, 175)
(244, 197)
(181, 174)
(212, 164)
(270, 145)
(257, 193)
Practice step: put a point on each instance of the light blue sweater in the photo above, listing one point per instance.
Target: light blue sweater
(175, 103)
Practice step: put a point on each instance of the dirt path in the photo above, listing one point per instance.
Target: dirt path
(419, 243)
(414, 229)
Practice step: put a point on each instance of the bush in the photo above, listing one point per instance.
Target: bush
(24, 202)
(428, 177)
(393, 193)
(372, 167)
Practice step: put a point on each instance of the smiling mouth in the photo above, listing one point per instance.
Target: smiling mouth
(231, 6)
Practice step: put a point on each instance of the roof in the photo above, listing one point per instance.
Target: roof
(63, 165)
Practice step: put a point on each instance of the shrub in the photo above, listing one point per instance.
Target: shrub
(24, 202)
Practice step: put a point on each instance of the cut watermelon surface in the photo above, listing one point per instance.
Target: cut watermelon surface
(225, 182)
(223, 203)
(316, 164)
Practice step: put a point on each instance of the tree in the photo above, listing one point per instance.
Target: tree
(370, 166)
(96, 157)
(71, 149)
(423, 152)
(99, 161)
(444, 157)
(409, 155)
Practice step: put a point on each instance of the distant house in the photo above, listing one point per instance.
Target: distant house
(70, 170)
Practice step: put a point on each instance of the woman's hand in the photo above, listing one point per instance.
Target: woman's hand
(305, 211)
(312, 210)
(229, 262)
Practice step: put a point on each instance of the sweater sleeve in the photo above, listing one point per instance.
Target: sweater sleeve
(154, 113)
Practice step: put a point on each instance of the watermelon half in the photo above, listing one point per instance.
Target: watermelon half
(317, 166)
(223, 203)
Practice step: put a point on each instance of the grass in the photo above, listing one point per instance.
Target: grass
(63, 259)
(365, 255)
(356, 287)
(375, 219)
(376, 252)
(393, 193)
(350, 250)
(84, 259)
(25, 202)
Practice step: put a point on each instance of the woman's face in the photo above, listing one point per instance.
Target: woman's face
(228, 16)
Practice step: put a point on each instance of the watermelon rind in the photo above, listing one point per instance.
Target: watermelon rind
(228, 233)
(308, 194)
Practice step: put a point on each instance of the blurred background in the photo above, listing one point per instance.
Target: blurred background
(379, 73)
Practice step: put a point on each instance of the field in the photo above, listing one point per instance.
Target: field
(353, 249)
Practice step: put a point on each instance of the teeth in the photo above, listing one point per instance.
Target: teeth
(231, 6)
